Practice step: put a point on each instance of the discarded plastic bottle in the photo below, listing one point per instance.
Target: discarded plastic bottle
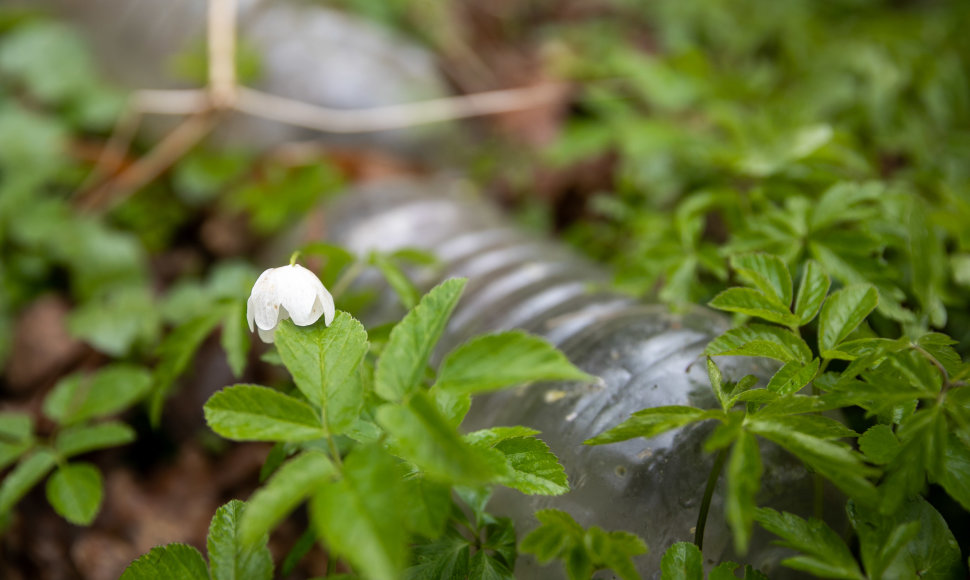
(645, 354)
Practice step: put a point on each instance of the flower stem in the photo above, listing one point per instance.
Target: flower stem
(294, 256)
(708, 495)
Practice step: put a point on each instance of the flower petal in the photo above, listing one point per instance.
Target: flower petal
(299, 294)
(266, 335)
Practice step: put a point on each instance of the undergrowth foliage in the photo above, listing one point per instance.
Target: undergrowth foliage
(914, 391)
(368, 437)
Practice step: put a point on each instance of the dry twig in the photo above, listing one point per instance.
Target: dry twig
(223, 93)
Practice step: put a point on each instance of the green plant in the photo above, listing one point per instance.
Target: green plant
(371, 439)
(78, 405)
(913, 390)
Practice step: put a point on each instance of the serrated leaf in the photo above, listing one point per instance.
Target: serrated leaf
(844, 310)
(838, 464)
(447, 557)
(500, 538)
(955, 477)
(229, 557)
(168, 562)
(767, 273)
(24, 476)
(714, 375)
(16, 436)
(652, 422)
(558, 533)
(496, 361)
(429, 506)
(682, 561)
(75, 492)
(360, 516)
(234, 337)
(255, 413)
(879, 444)
(111, 390)
(811, 292)
(325, 362)
(754, 303)
(582, 551)
(913, 541)
(293, 482)
(402, 364)
(614, 551)
(485, 567)
(81, 439)
(823, 552)
(423, 436)
(533, 468)
(793, 376)
(743, 482)
(780, 343)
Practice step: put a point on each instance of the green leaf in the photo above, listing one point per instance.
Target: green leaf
(75, 492)
(496, 361)
(778, 343)
(229, 557)
(453, 405)
(682, 561)
(743, 482)
(120, 317)
(402, 364)
(725, 571)
(714, 375)
(16, 436)
(912, 542)
(50, 59)
(823, 552)
(446, 557)
(879, 444)
(360, 516)
(428, 504)
(533, 468)
(293, 482)
(325, 362)
(754, 303)
(485, 567)
(955, 477)
(811, 292)
(423, 436)
(652, 422)
(558, 533)
(396, 278)
(254, 413)
(582, 551)
(112, 389)
(767, 273)
(500, 538)
(175, 353)
(24, 476)
(793, 376)
(840, 465)
(81, 439)
(168, 562)
(235, 338)
(843, 312)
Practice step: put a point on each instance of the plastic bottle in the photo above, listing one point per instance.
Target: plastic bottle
(645, 355)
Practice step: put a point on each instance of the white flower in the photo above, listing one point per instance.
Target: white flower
(288, 292)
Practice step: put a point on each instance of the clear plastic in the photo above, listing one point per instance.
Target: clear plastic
(644, 354)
